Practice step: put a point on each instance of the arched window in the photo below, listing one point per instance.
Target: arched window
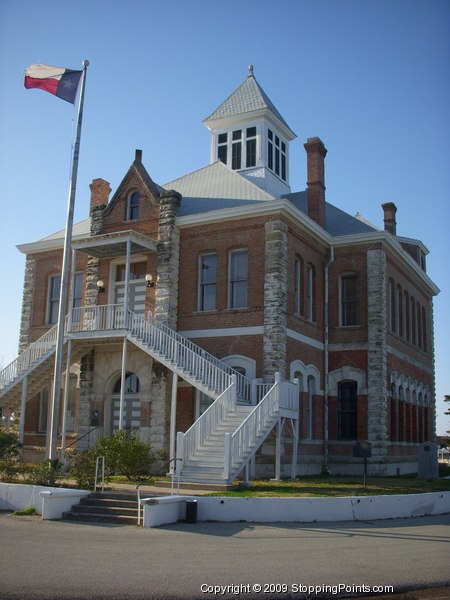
(424, 330)
(133, 207)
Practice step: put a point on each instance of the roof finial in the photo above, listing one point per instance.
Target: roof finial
(250, 70)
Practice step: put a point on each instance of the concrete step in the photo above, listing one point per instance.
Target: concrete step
(105, 510)
(99, 518)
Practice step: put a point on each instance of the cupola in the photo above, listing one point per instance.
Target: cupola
(249, 135)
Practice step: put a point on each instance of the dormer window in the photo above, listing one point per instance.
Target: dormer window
(276, 154)
(133, 207)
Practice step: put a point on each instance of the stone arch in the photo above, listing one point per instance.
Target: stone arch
(242, 362)
(347, 373)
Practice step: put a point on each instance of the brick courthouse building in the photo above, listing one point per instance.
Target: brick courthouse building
(309, 328)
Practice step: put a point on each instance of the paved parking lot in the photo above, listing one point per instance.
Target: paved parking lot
(56, 560)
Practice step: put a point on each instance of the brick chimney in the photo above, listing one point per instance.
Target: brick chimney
(316, 152)
(100, 191)
(390, 223)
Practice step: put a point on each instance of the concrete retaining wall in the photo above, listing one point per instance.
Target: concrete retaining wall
(16, 496)
(309, 510)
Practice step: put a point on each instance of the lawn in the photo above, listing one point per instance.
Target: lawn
(333, 486)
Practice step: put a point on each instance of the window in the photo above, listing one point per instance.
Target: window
(78, 291)
(392, 306)
(407, 319)
(310, 292)
(297, 286)
(137, 271)
(43, 409)
(222, 147)
(53, 298)
(207, 279)
(413, 321)
(309, 408)
(251, 147)
(419, 326)
(133, 207)
(132, 384)
(236, 150)
(276, 155)
(399, 311)
(349, 299)
(393, 414)
(424, 330)
(347, 407)
(238, 279)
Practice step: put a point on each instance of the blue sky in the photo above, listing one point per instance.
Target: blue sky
(370, 78)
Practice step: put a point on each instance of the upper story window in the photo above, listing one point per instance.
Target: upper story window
(349, 300)
(297, 286)
(133, 207)
(238, 276)
(78, 290)
(276, 154)
(207, 282)
(53, 298)
(310, 292)
(137, 271)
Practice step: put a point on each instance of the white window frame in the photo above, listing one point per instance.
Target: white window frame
(341, 300)
(230, 282)
(50, 301)
(200, 308)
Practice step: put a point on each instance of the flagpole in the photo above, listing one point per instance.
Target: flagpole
(56, 396)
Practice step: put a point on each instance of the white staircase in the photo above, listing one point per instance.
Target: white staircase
(222, 441)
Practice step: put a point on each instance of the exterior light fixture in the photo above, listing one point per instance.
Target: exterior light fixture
(100, 286)
(149, 280)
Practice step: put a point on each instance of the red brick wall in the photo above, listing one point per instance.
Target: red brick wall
(185, 408)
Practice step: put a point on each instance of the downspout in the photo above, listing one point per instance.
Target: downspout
(325, 468)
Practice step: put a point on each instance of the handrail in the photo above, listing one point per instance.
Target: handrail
(82, 436)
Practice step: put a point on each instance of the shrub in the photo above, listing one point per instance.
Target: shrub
(10, 467)
(45, 473)
(82, 468)
(25, 512)
(125, 454)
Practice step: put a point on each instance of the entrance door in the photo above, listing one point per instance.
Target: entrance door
(132, 404)
(137, 289)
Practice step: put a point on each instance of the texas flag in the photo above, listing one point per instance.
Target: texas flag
(56, 80)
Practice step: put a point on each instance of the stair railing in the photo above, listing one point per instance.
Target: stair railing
(244, 440)
(191, 441)
(33, 353)
(251, 433)
(187, 356)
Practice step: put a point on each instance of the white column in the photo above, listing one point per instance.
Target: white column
(66, 398)
(173, 418)
(278, 451)
(294, 449)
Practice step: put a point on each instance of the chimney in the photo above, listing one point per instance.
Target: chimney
(316, 152)
(138, 156)
(390, 223)
(100, 191)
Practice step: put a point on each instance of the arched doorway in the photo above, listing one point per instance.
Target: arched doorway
(131, 405)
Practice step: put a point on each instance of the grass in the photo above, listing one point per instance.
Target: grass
(335, 486)
(25, 512)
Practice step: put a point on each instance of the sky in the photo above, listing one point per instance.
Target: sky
(369, 77)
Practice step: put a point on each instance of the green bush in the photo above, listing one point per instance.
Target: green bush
(125, 454)
(10, 467)
(82, 468)
(45, 473)
(25, 512)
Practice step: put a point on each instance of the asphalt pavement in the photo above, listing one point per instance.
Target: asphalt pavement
(57, 560)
